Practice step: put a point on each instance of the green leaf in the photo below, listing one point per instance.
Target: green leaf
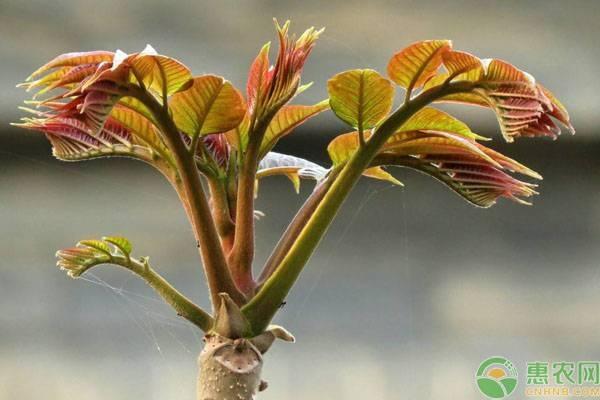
(343, 147)
(286, 120)
(145, 132)
(123, 244)
(74, 59)
(432, 119)
(414, 65)
(360, 97)
(135, 105)
(156, 70)
(89, 253)
(428, 130)
(210, 105)
(472, 170)
(382, 175)
(97, 245)
(238, 137)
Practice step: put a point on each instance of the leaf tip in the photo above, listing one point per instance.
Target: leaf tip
(149, 50)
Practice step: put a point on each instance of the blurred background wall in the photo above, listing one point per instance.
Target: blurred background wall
(411, 289)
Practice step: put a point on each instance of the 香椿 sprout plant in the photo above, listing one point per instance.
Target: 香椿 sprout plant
(213, 145)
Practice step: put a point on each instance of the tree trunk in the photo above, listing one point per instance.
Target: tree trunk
(229, 369)
(230, 364)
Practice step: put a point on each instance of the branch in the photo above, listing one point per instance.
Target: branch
(221, 211)
(261, 309)
(192, 195)
(80, 259)
(242, 254)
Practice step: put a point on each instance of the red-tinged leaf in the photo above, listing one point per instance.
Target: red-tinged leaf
(97, 106)
(72, 140)
(157, 73)
(473, 99)
(210, 105)
(558, 110)
(522, 107)
(77, 260)
(218, 148)
(73, 59)
(98, 245)
(286, 120)
(431, 142)
(470, 177)
(58, 108)
(103, 75)
(269, 88)
(517, 109)
(360, 97)
(469, 168)
(501, 72)
(258, 78)
(45, 80)
(89, 253)
(414, 65)
(156, 70)
(427, 130)
(463, 66)
(470, 98)
(542, 126)
(73, 76)
(508, 163)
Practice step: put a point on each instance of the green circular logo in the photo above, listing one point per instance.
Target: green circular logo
(497, 377)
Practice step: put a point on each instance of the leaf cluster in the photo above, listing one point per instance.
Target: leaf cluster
(202, 132)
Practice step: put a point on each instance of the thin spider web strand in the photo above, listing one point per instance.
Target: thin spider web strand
(367, 196)
(145, 325)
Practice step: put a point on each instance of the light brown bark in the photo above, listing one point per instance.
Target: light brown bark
(229, 369)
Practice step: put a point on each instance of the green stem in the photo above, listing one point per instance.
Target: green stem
(263, 306)
(182, 305)
(192, 195)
